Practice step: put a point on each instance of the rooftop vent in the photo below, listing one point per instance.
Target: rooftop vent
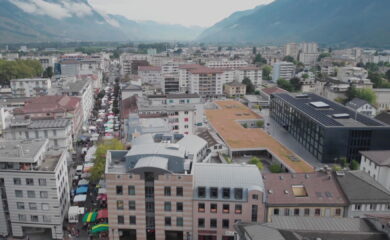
(302, 96)
(319, 104)
(285, 191)
(341, 115)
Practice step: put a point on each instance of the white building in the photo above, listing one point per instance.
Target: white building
(309, 53)
(151, 75)
(377, 165)
(30, 87)
(126, 61)
(205, 81)
(224, 63)
(254, 73)
(362, 106)
(291, 49)
(34, 188)
(48, 61)
(382, 98)
(285, 70)
(352, 74)
(184, 75)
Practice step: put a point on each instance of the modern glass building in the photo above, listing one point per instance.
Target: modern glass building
(327, 129)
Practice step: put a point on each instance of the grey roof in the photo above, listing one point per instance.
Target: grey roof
(192, 143)
(208, 137)
(259, 232)
(228, 175)
(359, 187)
(383, 117)
(152, 161)
(51, 123)
(157, 149)
(319, 224)
(76, 86)
(20, 150)
(356, 103)
(381, 158)
(183, 95)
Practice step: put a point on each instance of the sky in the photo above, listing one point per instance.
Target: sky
(203, 13)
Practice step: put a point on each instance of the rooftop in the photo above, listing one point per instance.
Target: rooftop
(49, 163)
(225, 121)
(183, 95)
(49, 104)
(382, 158)
(323, 110)
(20, 151)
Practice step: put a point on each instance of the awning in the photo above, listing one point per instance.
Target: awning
(100, 228)
(83, 182)
(102, 214)
(102, 197)
(81, 190)
(90, 217)
(80, 198)
(102, 191)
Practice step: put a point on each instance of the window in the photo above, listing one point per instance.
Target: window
(17, 181)
(149, 192)
(20, 205)
(42, 182)
(179, 191)
(32, 206)
(131, 190)
(167, 191)
(238, 193)
(31, 194)
(254, 213)
(213, 192)
(226, 208)
(201, 207)
(238, 209)
(149, 207)
(29, 181)
(201, 192)
(22, 217)
(119, 190)
(18, 193)
(121, 220)
(179, 221)
(373, 207)
(276, 211)
(119, 205)
(131, 205)
(133, 220)
(296, 212)
(45, 206)
(213, 207)
(225, 223)
(46, 219)
(226, 193)
(167, 221)
(317, 212)
(34, 218)
(179, 207)
(358, 206)
(43, 194)
(201, 222)
(338, 212)
(167, 206)
(213, 223)
(307, 212)
(286, 212)
(255, 197)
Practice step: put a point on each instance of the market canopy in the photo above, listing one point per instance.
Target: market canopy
(102, 191)
(83, 182)
(81, 190)
(90, 217)
(102, 197)
(100, 228)
(102, 214)
(80, 198)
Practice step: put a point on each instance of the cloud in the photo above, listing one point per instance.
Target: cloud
(61, 10)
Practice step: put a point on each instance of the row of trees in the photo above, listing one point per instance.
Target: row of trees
(292, 85)
(19, 69)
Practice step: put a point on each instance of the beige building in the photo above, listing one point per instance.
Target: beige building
(234, 89)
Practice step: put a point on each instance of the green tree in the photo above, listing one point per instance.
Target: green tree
(296, 84)
(289, 59)
(336, 167)
(254, 50)
(245, 125)
(267, 69)
(100, 160)
(354, 165)
(260, 123)
(286, 85)
(363, 93)
(259, 59)
(250, 88)
(19, 69)
(48, 73)
(343, 162)
(256, 161)
(323, 55)
(275, 168)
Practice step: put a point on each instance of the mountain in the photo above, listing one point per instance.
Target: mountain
(332, 22)
(77, 20)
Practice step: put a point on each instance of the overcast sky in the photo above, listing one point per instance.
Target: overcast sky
(186, 12)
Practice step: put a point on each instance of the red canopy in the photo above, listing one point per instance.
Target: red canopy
(102, 197)
(102, 214)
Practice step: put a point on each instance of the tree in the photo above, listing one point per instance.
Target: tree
(289, 59)
(387, 74)
(266, 72)
(323, 55)
(284, 84)
(296, 84)
(343, 162)
(260, 123)
(245, 125)
(256, 161)
(254, 50)
(259, 59)
(363, 93)
(100, 160)
(19, 69)
(354, 165)
(48, 73)
(275, 168)
(250, 88)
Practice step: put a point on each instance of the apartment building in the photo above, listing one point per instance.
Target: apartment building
(184, 75)
(34, 188)
(234, 89)
(130, 62)
(304, 194)
(170, 84)
(48, 61)
(57, 131)
(291, 49)
(151, 75)
(377, 165)
(382, 98)
(254, 73)
(30, 87)
(354, 75)
(224, 63)
(285, 70)
(309, 53)
(205, 81)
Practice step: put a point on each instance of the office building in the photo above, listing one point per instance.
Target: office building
(326, 129)
(284, 70)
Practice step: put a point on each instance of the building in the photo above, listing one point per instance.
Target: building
(291, 49)
(254, 74)
(58, 131)
(205, 81)
(267, 92)
(354, 75)
(364, 194)
(34, 187)
(377, 165)
(170, 83)
(285, 70)
(382, 98)
(226, 63)
(30, 87)
(151, 75)
(53, 107)
(328, 130)
(362, 106)
(309, 53)
(184, 75)
(137, 126)
(48, 61)
(129, 63)
(234, 89)
(383, 117)
(306, 194)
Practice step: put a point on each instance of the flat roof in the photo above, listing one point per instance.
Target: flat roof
(20, 150)
(225, 120)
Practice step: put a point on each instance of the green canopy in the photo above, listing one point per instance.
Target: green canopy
(100, 228)
(90, 217)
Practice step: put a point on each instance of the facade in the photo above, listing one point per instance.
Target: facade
(151, 75)
(382, 98)
(184, 75)
(328, 130)
(127, 63)
(255, 74)
(170, 83)
(48, 61)
(307, 194)
(285, 70)
(291, 49)
(309, 53)
(58, 131)
(35, 188)
(227, 64)
(234, 89)
(362, 106)
(205, 81)
(377, 165)
(30, 87)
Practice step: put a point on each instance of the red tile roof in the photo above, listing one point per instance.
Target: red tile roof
(49, 104)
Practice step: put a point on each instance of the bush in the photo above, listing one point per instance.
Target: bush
(256, 161)
(354, 165)
(260, 124)
(275, 168)
(343, 162)
(336, 167)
